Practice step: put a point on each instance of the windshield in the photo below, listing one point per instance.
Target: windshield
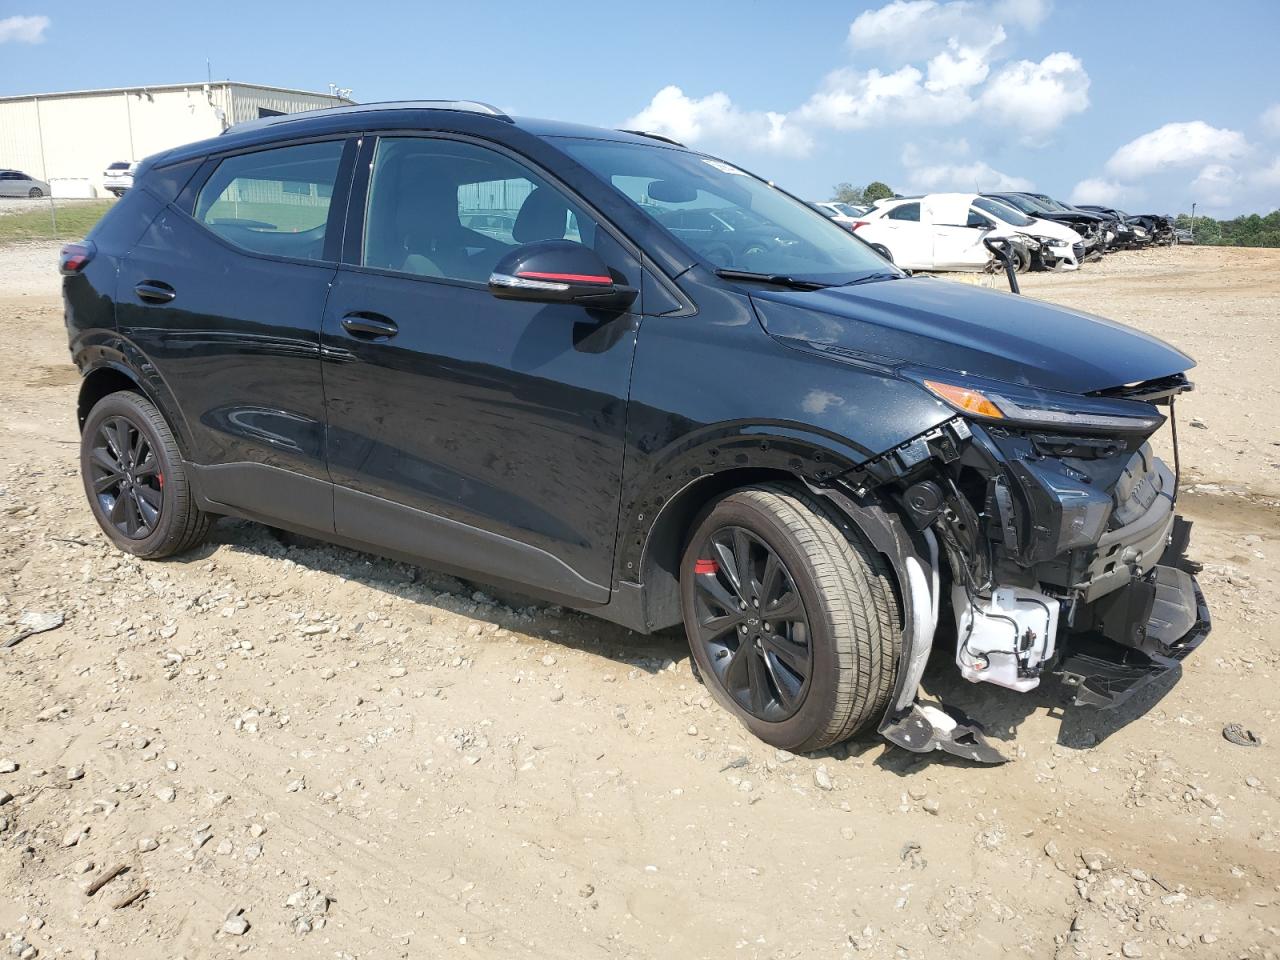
(1002, 211)
(1019, 203)
(1051, 204)
(727, 217)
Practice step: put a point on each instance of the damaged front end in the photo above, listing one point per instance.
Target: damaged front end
(1062, 547)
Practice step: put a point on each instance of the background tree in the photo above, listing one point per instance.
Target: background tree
(876, 190)
(847, 193)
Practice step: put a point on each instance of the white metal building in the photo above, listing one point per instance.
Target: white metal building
(69, 138)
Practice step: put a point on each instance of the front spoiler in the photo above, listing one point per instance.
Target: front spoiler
(1105, 674)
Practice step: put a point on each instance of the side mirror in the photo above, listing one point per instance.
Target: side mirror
(558, 271)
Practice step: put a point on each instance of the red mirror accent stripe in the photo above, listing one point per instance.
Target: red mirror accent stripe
(564, 277)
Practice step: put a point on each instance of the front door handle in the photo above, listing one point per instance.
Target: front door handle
(155, 291)
(369, 326)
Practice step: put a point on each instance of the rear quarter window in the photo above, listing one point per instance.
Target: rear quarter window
(273, 201)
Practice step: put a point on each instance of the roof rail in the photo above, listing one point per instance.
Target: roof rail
(459, 106)
(653, 136)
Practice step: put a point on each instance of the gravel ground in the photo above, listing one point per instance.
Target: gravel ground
(298, 750)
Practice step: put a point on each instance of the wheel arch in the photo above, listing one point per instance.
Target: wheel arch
(110, 376)
(663, 545)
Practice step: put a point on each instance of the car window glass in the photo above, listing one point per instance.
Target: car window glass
(906, 211)
(273, 201)
(441, 208)
(977, 220)
(725, 216)
(1002, 211)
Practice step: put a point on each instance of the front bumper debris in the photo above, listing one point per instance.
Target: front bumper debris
(1099, 672)
(925, 728)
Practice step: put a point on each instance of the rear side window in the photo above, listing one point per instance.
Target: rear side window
(907, 211)
(273, 201)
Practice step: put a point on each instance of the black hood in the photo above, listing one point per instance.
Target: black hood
(954, 326)
(1070, 216)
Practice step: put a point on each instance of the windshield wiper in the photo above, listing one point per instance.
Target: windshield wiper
(873, 277)
(778, 278)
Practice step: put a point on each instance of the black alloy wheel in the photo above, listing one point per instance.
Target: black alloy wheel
(126, 477)
(752, 624)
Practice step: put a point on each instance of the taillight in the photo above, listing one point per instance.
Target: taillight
(75, 257)
(859, 223)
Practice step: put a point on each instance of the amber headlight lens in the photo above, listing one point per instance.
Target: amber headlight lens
(965, 399)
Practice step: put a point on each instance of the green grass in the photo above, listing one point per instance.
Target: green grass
(75, 219)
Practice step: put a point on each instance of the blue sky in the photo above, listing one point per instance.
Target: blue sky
(1148, 105)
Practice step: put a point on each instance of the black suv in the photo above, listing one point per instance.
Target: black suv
(497, 347)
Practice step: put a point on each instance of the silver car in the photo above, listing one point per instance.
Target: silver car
(15, 183)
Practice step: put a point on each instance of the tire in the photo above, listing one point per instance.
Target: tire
(851, 632)
(148, 510)
(881, 249)
(1024, 261)
(35, 193)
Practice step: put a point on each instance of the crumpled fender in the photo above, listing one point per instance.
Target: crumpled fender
(914, 557)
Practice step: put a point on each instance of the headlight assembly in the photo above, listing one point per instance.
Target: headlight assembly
(990, 400)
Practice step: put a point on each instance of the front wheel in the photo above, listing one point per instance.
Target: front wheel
(135, 479)
(35, 193)
(791, 618)
(881, 249)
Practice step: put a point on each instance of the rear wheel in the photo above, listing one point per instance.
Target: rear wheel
(135, 480)
(881, 249)
(791, 618)
(35, 193)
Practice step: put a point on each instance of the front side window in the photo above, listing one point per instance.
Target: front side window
(724, 215)
(976, 219)
(905, 211)
(273, 201)
(442, 208)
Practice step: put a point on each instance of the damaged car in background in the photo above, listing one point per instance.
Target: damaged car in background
(951, 231)
(1091, 227)
(824, 468)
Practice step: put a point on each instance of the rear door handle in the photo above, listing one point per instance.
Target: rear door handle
(155, 291)
(369, 326)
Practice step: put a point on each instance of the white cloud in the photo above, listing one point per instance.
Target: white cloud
(1216, 185)
(1104, 193)
(976, 176)
(944, 165)
(23, 29)
(1176, 145)
(1267, 178)
(715, 117)
(1037, 97)
(916, 28)
(851, 99)
(1270, 120)
(944, 69)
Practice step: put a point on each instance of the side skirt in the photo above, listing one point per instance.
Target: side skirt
(349, 518)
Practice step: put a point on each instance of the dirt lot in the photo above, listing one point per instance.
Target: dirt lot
(373, 761)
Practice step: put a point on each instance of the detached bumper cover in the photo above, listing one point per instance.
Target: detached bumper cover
(1101, 673)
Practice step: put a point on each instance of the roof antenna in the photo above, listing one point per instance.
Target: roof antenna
(208, 70)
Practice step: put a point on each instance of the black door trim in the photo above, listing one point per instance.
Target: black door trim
(440, 541)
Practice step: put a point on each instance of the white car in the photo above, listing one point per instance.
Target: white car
(845, 214)
(945, 231)
(118, 177)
